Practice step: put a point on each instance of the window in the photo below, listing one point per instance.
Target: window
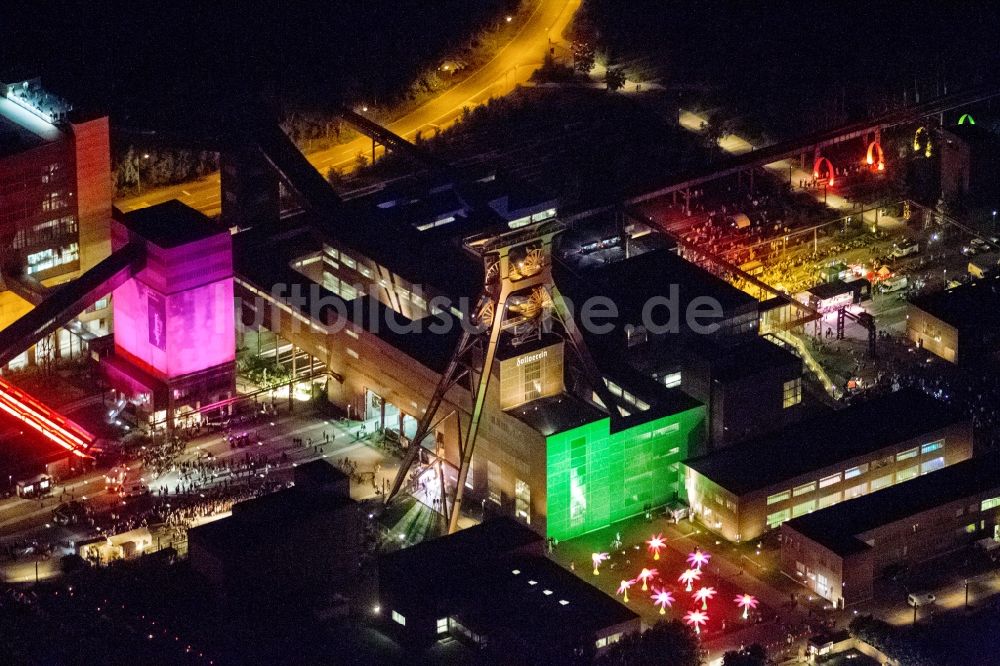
(778, 497)
(829, 480)
(792, 392)
(931, 465)
(804, 489)
(348, 261)
(493, 481)
(532, 380)
(398, 619)
(51, 258)
(351, 352)
(907, 474)
(671, 379)
(522, 501)
(906, 455)
(778, 517)
(442, 625)
(856, 491)
(988, 504)
(931, 447)
(829, 500)
(855, 471)
(881, 482)
(803, 508)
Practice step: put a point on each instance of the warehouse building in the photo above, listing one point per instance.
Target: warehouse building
(491, 587)
(959, 325)
(743, 491)
(838, 552)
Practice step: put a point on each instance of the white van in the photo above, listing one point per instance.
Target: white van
(897, 283)
(920, 598)
(904, 249)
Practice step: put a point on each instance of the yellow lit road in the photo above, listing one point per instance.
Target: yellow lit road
(511, 65)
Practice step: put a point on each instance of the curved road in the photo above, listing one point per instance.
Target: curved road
(512, 64)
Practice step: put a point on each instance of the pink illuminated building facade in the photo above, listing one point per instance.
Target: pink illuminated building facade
(174, 330)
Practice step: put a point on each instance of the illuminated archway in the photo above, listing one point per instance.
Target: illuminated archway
(875, 151)
(818, 172)
(966, 118)
(922, 141)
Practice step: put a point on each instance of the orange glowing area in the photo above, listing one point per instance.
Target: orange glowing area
(698, 559)
(598, 559)
(746, 602)
(663, 599)
(696, 618)
(881, 166)
(623, 589)
(645, 576)
(688, 578)
(703, 595)
(655, 545)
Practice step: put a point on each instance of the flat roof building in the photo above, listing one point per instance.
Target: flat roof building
(960, 325)
(742, 491)
(55, 199)
(491, 585)
(838, 552)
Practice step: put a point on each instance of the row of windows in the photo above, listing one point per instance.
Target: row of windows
(853, 472)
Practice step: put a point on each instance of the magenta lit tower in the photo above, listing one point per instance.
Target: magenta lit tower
(174, 336)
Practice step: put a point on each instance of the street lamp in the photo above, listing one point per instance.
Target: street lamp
(138, 172)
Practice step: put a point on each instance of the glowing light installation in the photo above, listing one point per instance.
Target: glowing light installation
(875, 149)
(696, 618)
(645, 576)
(922, 138)
(818, 171)
(698, 559)
(688, 578)
(50, 424)
(662, 598)
(597, 559)
(966, 118)
(655, 544)
(623, 588)
(703, 595)
(746, 602)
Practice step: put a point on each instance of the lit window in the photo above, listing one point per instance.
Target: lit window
(563, 602)
(532, 582)
(547, 592)
(348, 261)
(829, 481)
(672, 379)
(442, 625)
(775, 519)
(908, 473)
(932, 465)
(804, 489)
(792, 393)
(988, 504)
(351, 352)
(906, 455)
(855, 471)
(778, 497)
(516, 572)
(931, 447)
(398, 619)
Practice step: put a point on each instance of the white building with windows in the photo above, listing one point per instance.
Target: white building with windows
(747, 489)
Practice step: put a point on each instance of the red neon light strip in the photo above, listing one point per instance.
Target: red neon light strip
(54, 426)
(45, 420)
(17, 396)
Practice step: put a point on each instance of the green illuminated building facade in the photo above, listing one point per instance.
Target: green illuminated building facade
(596, 477)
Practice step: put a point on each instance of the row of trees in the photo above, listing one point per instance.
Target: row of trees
(136, 169)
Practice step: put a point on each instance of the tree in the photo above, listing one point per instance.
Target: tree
(614, 79)
(584, 55)
(664, 643)
(750, 656)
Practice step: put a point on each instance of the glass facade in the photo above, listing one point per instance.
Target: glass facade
(595, 477)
